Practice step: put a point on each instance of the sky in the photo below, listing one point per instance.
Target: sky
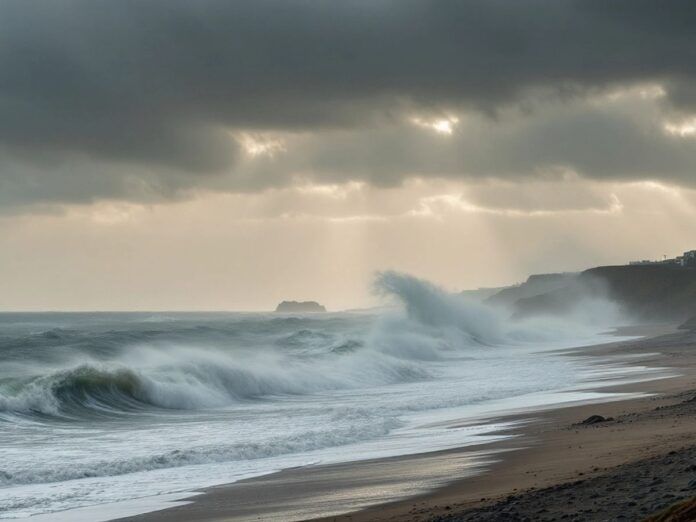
(215, 155)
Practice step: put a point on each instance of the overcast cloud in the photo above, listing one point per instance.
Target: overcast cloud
(148, 100)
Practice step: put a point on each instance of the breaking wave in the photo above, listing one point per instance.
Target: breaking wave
(430, 306)
(188, 378)
(195, 381)
(213, 366)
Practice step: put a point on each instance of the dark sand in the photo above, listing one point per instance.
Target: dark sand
(556, 469)
(629, 491)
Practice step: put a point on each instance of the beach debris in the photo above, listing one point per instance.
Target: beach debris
(594, 419)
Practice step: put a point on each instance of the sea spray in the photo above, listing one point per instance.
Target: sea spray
(431, 306)
(482, 324)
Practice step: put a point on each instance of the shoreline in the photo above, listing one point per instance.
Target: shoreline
(423, 484)
(561, 451)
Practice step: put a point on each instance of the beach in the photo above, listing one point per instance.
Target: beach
(628, 467)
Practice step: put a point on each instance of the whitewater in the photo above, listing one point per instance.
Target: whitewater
(98, 408)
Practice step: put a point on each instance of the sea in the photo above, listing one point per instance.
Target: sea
(103, 409)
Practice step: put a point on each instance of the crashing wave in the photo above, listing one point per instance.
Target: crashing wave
(189, 378)
(433, 307)
(268, 357)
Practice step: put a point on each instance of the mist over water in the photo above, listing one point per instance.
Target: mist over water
(168, 401)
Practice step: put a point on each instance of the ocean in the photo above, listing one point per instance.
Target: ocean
(100, 408)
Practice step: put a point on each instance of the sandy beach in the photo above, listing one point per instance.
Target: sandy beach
(632, 465)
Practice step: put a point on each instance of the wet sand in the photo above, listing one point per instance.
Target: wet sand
(555, 468)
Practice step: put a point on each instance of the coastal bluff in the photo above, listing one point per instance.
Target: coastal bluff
(301, 307)
(652, 292)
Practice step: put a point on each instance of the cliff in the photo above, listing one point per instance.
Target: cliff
(482, 294)
(651, 291)
(647, 292)
(534, 285)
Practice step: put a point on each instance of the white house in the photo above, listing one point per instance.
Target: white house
(689, 258)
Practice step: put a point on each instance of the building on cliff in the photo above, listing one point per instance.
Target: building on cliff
(687, 260)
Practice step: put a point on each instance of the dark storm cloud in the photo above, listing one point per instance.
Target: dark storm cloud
(619, 137)
(155, 87)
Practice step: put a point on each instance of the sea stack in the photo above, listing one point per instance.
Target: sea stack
(300, 307)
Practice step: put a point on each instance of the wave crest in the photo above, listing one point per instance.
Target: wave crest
(433, 307)
(189, 378)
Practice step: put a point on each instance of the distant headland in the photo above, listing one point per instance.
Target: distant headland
(300, 307)
(663, 290)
